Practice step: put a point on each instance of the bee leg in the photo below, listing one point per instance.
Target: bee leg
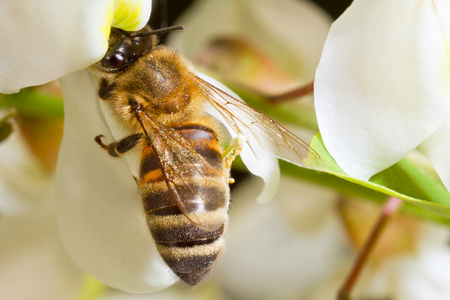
(119, 147)
(106, 90)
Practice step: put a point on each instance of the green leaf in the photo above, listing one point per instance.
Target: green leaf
(403, 180)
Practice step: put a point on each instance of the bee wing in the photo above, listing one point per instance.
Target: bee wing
(260, 131)
(180, 162)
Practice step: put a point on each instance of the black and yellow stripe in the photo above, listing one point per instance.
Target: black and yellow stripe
(188, 250)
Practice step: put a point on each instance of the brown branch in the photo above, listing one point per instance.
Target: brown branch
(293, 94)
(389, 209)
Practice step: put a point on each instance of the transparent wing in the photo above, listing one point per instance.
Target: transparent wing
(261, 132)
(187, 175)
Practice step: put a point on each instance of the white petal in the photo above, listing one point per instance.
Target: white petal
(437, 149)
(442, 9)
(34, 264)
(266, 167)
(293, 32)
(44, 40)
(260, 163)
(382, 83)
(24, 184)
(98, 207)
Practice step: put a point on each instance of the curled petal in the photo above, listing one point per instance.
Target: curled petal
(382, 85)
(44, 40)
(266, 167)
(99, 211)
(257, 160)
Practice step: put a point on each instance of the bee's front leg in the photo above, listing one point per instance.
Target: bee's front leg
(119, 147)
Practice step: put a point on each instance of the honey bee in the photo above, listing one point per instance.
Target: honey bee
(184, 171)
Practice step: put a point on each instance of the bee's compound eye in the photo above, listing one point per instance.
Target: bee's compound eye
(114, 61)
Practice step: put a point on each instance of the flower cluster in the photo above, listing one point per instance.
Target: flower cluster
(382, 89)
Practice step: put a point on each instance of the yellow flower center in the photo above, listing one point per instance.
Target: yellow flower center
(124, 14)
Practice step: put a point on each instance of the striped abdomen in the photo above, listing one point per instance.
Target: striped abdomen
(188, 250)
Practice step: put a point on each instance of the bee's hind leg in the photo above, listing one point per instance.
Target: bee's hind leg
(118, 148)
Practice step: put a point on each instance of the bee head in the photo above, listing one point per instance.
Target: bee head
(126, 47)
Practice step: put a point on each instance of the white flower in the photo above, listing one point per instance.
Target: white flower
(50, 39)
(45, 40)
(34, 262)
(382, 85)
(99, 210)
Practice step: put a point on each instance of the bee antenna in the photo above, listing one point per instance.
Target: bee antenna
(159, 31)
